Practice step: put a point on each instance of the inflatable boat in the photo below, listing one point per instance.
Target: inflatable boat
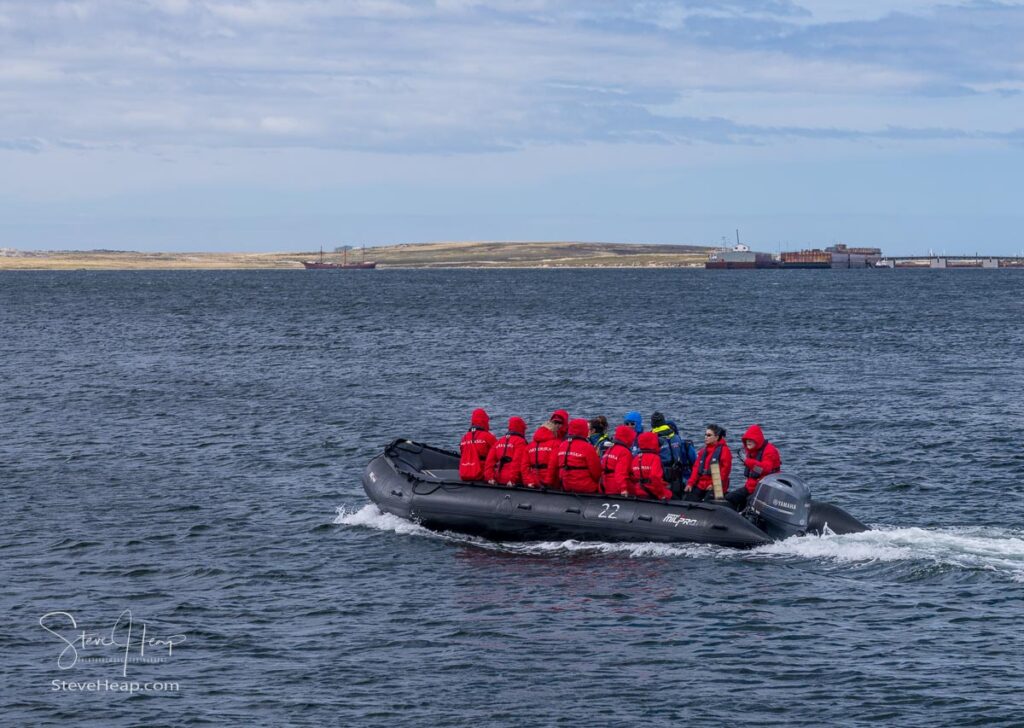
(421, 483)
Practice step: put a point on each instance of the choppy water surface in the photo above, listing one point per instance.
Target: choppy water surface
(188, 446)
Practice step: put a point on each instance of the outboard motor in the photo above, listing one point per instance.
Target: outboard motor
(780, 506)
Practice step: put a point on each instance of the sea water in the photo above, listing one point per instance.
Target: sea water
(186, 447)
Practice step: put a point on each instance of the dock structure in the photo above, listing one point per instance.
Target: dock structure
(950, 261)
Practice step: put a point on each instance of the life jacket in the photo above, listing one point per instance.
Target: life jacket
(600, 442)
(678, 448)
(504, 458)
(538, 459)
(471, 463)
(643, 465)
(564, 465)
(604, 460)
(748, 473)
(703, 466)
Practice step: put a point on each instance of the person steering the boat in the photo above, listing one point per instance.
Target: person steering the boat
(577, 465)
(475, 445)
(761, 458)
(646, 472)
(505, 460)
(715, 451)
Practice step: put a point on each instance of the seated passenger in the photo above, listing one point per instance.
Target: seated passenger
(558, 423)
(504, 462)
(761, 458)
(635, 420)
(700, 485)
(617, 463)
(598, 435)
(538, 467)
(474, 446)
(577, 466)
(646, 471)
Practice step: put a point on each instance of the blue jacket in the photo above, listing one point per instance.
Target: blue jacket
(601, 442)
(674, 449)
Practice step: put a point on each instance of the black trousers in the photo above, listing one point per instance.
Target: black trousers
(697, 495)
(738, 498)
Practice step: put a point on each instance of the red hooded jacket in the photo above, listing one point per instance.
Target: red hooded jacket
(505, 460)
(617, 463)
(562, 417)
(576, 463)
(760, 461)
(701, 475)
(648, 478)
(474, 446)
(538, 465)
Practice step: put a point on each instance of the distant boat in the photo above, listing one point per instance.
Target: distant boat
(321, 264)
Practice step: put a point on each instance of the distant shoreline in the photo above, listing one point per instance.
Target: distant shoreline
(409, 256)
(439, 256)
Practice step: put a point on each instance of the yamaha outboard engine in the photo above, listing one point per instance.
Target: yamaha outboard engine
(780, 506)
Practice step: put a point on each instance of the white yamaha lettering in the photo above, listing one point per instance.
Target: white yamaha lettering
(784, 504)
(608, 510)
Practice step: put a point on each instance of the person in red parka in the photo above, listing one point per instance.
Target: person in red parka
(760, 459)
(474, 446)
(539, 465)
(576, 463)
(558, 423)
(648, 478)
(504, 462)
(715, 450)
(617, 463)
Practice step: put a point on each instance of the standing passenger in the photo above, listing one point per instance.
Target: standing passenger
(647, 474)
(715, 450)
(504, 462)
(617, 463)
(539, 467)
(577, 464)
(760, 459)
(474, 446)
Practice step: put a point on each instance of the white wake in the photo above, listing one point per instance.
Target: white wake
(975, 548)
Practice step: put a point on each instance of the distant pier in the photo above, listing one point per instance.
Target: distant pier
(950, 261)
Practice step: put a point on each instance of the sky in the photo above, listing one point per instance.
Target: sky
(252, 125)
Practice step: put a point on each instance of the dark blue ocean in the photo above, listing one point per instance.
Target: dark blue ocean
(186, 448)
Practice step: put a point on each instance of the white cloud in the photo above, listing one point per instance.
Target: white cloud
(469, 75)
(840, 11)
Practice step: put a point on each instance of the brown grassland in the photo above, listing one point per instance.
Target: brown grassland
(409, 255)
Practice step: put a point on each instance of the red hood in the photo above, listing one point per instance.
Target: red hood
(543, 434)
(578, 428)
(649, 441)
(626, 434)
(517, 425)
(754, 433)
(563, 415)
(480, 419)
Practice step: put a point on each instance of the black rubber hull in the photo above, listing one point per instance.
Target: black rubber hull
(419, 483)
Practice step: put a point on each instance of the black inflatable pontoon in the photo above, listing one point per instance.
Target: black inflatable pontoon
(421, 483)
